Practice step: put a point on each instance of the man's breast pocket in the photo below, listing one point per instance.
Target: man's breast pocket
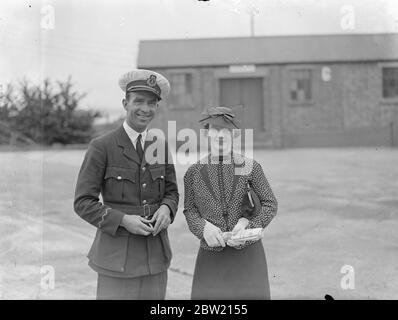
(119, 184)
(158, 180)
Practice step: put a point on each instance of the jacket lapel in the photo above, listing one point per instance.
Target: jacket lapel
(204, 173)
(148, 156)
(237, 162)
(234, 184)
(124, 141)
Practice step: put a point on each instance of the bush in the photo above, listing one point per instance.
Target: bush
(47, 115)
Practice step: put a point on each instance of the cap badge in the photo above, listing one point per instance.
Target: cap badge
(151, 80)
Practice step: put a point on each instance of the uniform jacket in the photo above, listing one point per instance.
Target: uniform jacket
(111, 167)
(214, 192)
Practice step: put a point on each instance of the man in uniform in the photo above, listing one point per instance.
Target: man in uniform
(131, 251)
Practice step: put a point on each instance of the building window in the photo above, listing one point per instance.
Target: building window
(181, 94)
(390, 83)
(300, 85)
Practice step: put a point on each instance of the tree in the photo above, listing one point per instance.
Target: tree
(47, 115)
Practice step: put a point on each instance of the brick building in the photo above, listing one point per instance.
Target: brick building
(295, 91)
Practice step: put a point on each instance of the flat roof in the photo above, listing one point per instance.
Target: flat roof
(267, 50)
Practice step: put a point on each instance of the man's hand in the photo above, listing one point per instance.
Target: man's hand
(161, 218)
(136, 224)
(213, 235)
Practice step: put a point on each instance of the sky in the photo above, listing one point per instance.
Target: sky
(95, 42)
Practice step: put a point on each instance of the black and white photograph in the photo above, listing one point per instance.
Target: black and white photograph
(199, 150)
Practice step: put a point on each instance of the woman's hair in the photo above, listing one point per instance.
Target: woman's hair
(236, 132)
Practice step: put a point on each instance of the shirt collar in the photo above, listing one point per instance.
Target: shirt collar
(133, 135)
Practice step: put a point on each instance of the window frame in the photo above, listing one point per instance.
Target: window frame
(308, 102)
(382, 66)
(187, 71)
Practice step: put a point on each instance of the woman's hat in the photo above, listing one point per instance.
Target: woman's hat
(221, 117)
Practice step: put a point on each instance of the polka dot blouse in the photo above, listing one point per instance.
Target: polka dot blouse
(214, 192)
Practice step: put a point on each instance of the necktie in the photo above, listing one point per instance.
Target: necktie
(138, 147)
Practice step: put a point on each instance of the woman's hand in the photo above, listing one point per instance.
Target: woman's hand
(241, 225)
(235, 243)
(213, 235)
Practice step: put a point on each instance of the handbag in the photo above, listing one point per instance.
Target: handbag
(251, 203)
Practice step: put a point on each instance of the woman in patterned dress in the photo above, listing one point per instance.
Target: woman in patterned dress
(213, 198)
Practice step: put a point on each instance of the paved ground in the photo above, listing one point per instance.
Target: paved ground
(336, 207)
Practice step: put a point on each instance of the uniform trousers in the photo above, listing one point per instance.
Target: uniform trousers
(148, 287)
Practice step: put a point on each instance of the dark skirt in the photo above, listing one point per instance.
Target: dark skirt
(231, 274)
